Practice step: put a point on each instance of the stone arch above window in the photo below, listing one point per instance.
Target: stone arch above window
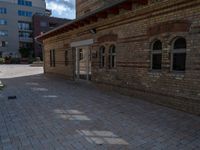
(157, 45)
(180, 43)
(112, 49)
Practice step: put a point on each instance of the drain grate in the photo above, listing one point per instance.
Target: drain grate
(12, 97)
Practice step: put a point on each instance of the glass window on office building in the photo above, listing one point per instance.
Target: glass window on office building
(3, 43)
(24, 13)
(24, 25)
(3, 22)
(3, 33)
(25, 35)
(3, 10)
(24, 3)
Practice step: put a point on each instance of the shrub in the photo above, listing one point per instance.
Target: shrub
(31, 60)
(2, 60)
(8, 60)
(25, 52)
(15, 60)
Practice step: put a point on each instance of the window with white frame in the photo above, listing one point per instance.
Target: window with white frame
(102, 57)
(156, 55)
(112, 57)
(178, 55)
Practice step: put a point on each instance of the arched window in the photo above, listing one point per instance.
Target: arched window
(179, 54)
(102, 57)
(156, 55)
(112, 56)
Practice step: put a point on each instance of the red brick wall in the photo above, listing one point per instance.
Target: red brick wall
(87, 6)
(133, 32)
(38, 28)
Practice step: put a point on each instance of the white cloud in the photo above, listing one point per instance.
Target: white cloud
(62, 8)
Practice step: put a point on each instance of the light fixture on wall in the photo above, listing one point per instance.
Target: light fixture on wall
(93, 31)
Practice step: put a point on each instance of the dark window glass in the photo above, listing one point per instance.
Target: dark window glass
(179, 55)
(113, 61)
(157, 45)
(24, 3)
(157, 55)
(80, 54)
(112, 56)
(102, 50)
(66, 58)
(180, 44)
(51, 64)
(3, 11)
(102, 57)
(179, 61)
(54, 58)
(157, 61)
(3, 44)
(112, 49)
(24, 13)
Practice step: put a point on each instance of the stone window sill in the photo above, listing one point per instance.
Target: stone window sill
(178, 74)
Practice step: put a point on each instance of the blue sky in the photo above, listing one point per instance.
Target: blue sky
(62, 8)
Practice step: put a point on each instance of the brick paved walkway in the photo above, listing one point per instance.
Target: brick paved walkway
(56, 114)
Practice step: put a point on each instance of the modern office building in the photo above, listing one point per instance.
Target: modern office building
(16, 24)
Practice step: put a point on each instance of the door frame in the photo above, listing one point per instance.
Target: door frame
(76, 46)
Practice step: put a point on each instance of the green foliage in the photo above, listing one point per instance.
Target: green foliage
(15, 60)
(31, 60)
(25, 52)
(8, 60)
(2, 60)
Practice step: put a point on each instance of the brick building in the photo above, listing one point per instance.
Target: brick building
(84, 7)
(148, 49)
(41, 24)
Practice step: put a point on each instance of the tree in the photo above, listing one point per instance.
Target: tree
(25, 52)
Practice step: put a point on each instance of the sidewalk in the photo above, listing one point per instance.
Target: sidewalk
(56, 114)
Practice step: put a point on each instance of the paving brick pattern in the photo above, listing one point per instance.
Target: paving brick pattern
(55, 114)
